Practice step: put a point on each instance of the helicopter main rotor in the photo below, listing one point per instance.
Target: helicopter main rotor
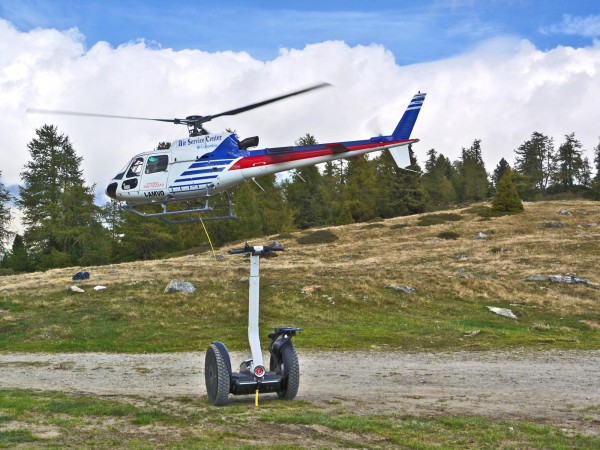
(194, 123)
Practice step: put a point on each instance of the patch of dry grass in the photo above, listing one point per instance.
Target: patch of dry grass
(453, 277)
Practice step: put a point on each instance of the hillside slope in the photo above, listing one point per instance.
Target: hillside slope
(355, 307)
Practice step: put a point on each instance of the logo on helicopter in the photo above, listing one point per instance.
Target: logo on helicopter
(199, 140)
(154, 194)
(154, 184)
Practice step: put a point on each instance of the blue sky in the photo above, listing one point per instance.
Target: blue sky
(413, 31)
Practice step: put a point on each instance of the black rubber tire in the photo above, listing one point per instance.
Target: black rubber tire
(289, 368)
(216, 376)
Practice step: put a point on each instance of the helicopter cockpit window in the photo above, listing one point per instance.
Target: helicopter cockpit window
(157, 164)
(136, 168)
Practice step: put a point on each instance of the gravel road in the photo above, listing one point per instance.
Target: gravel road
(559, 387)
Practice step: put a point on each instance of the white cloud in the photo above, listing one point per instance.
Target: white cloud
(588, 26)
(499, 92)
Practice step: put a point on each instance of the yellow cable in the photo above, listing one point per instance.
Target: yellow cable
(209, 241)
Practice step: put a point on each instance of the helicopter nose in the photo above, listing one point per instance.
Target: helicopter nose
(111, 190)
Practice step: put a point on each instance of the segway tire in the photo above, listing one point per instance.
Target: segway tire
(289, 368)
(216, 375)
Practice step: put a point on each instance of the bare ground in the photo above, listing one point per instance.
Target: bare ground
(555, 387)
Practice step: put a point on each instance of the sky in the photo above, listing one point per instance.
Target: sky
(494, 70)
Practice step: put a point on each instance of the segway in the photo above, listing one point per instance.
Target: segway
(283, 376)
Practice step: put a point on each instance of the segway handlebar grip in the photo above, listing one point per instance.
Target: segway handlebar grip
(236, 251)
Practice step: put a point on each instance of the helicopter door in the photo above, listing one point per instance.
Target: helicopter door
(132, 177)
(154, 178)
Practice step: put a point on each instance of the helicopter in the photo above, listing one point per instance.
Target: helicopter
(197, 168)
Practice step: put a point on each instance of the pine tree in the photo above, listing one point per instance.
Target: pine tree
(597, 162)
(400, 191)
(18, 259)
(437, 180)
(5, 216)
(143, 238)
(595, 187)
(361, 192)
(569, 164)
(585, 176)
(275, 215)
(499, 172)
(535, 164)
(507, 199)
(472, 176)
(304, 193)
(61, 220)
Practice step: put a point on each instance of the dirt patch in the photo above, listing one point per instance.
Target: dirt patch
(558, 387)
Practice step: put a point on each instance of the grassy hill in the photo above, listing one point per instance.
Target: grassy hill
(455, 277)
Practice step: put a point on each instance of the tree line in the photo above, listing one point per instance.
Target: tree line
(63, 226)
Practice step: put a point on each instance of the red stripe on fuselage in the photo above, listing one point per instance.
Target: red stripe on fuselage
(259, 160)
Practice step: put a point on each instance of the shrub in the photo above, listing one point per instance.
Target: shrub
(318, 237)
(450, 235)
(507, 199)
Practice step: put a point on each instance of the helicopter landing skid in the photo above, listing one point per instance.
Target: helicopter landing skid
(194, 213)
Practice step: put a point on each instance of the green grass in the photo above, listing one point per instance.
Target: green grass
(141, 318)
(438, 219)
(57, 420)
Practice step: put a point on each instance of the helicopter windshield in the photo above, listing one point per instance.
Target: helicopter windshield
(136, 168)
(121, 172)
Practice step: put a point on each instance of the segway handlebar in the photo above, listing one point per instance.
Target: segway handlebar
(258, 249)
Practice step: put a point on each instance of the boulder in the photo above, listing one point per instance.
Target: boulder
(400, 288)
(565, 279)
(554, 225)
(502, 312)
(180, 286)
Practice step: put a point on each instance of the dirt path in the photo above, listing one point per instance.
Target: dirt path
(560, 387)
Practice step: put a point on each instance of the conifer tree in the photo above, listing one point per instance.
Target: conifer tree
(507, 199)
(17, 259)
(400, 191)
(472, 176)
(61, 220)
(535, 164)
(304, 193)
(595, 188)
(361, 191)
(499, 172)
(597, 162)
(142, 238)
(437, 180)
(569, 164)
(4, 213)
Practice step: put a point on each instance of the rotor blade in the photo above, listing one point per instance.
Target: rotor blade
(74, 113)
(264, 102)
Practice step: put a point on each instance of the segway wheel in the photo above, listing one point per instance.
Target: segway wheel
(216, 376)
(289, 368)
